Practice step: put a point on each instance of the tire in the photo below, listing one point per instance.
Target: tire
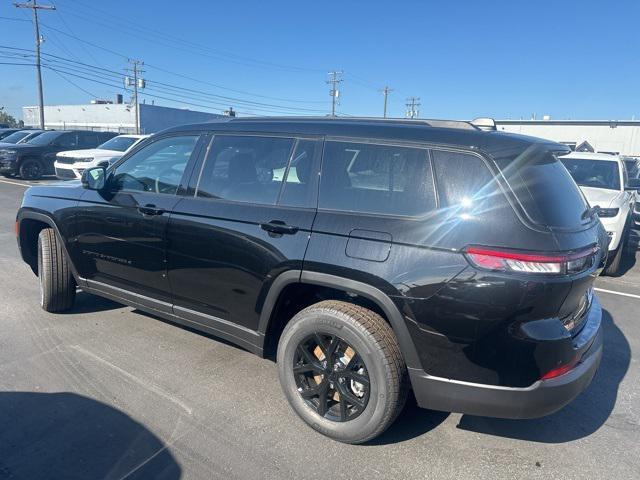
(373, 345)
(31, 169)
(57, 285)
(613, 266)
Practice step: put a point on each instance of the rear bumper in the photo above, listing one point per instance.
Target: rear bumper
(542, 398)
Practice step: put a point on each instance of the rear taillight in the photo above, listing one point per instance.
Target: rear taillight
(502, 260)
(556, 372)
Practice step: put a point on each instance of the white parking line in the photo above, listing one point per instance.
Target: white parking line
(14, 183)
(613, 292)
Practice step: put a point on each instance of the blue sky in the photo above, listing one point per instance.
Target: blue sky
(506, 59)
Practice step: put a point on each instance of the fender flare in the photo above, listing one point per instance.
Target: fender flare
(41, 217)
(377, 296)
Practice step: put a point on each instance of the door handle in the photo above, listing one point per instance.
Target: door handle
(150, 209)
(279, 227)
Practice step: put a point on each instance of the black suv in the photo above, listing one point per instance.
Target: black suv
(35, 158)
(370, 257)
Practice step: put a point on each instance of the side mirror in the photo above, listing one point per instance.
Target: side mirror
(94, 178)
(633, 184)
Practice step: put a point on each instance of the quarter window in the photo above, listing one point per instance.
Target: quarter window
(463, 180)
(245, 169)
(156, 168)
(372, 178)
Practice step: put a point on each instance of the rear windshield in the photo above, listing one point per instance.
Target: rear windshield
(544, 188)
(593, 173)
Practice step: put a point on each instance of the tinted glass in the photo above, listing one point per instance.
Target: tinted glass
(156, 168)
(633, 168)
(544, 188)
(119, 144)
(15, 137)
(245, 169)
(370, 178)
(593, 173)
(462, 179)
(68, 140)
(301, 182)
(46, 138)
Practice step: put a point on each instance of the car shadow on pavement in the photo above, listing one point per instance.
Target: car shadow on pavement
(412, 422)
(88, 303)
(582, 417)
(65, 435)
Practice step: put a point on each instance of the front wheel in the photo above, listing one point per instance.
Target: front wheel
(57, 285)
(31, 169)
(342, 371)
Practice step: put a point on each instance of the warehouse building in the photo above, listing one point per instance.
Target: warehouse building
(611, 136)
(113, 117)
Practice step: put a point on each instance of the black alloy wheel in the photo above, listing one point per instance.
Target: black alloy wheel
(331, 377)
(30, 169)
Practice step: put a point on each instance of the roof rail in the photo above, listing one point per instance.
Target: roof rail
(484, 123)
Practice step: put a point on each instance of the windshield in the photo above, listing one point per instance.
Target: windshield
(15, 137)
(118, 143)
(45, 138)
(593, 173)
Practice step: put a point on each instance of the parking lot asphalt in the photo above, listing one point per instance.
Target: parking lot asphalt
(105, 391)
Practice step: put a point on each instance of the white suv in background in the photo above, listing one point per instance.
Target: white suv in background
(71, 164)
(603, 180)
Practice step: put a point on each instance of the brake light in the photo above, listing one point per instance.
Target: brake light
(556, 372)
(502, 260)
(17, 228)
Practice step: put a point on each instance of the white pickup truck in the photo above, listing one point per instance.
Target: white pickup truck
(603, 180)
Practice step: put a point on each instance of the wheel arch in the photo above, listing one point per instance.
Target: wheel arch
(30, 224)
(348, 286)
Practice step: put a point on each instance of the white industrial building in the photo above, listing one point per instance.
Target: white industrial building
(113, 117)
(612, 136)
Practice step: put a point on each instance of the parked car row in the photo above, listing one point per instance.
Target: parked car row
(34, 158)
(71, 164)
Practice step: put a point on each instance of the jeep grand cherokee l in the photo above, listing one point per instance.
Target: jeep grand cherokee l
(369, 256)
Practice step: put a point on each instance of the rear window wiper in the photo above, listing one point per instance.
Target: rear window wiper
(590, 212)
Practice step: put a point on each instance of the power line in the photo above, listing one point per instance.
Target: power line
(35, 7)
(186, 45)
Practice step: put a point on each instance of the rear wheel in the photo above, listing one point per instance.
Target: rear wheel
(57, 285)
(341, 369)
(31, 169)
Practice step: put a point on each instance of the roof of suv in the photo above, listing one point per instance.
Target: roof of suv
(445, 132)
(592, 156)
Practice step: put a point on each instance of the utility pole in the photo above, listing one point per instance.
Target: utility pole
(413, 103)
(386, 91)
(334, 80)
(136, 83)
(33, 5)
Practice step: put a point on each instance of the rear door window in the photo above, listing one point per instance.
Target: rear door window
(373, 178)
(243, 168)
